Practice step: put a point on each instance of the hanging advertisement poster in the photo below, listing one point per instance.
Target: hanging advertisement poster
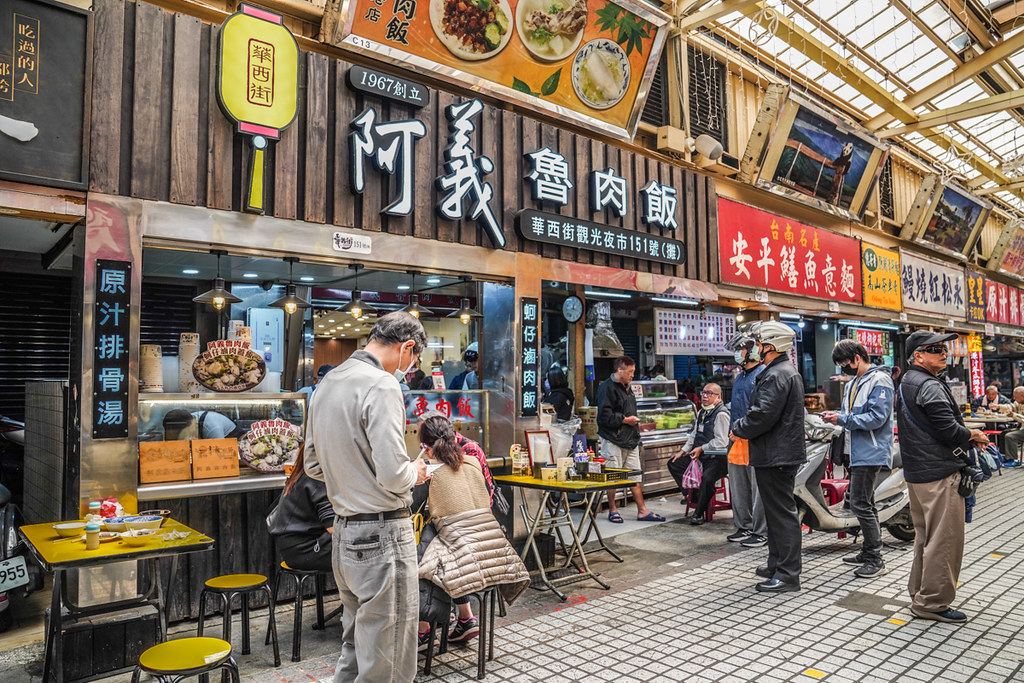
(692, 333)
(590, 61)
(977, 365)
(881, 277)
(997, 298)
(975, 297)
(762, 250)
(931, 286)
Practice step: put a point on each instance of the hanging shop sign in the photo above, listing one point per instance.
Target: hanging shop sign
(529, 385)
(257, 86)
(1004, 303)
(591, 61)
(45, 54)
(692, 333)
(760, 249)
(385, 85)
(453, 405)
(930, 286)
(977, 365)
(875, 342)
(566, 231)
(975, 297)
(111, 334)
(881, 277)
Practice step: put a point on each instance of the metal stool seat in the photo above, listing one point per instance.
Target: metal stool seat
(300, 576)
(225, 588)
(175, 660)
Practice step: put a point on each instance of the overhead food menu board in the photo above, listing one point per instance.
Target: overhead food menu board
(588, 60)
(692, 333)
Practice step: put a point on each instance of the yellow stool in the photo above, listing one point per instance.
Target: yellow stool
(300, 576)
(225, 588)
(174, 660)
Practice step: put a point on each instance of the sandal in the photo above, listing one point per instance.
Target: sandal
(615, 517)
(651, 517)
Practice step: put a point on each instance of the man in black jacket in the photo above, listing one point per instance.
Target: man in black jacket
(620, 436)
(932, 433)
(774, 425)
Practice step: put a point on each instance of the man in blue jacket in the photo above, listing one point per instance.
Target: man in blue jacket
(867, 417)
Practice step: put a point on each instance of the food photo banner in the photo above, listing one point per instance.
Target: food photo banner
(930, 286)
(591, 61)
(762, 250)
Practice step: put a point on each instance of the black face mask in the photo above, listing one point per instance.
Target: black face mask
(848, 370)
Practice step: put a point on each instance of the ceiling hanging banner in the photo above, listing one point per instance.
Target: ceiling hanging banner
(591, 61)
(975, 298)
(930, 286)
(762, 250)
(881, 277)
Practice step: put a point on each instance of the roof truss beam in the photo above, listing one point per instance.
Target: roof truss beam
(988, 105)
(693, 21)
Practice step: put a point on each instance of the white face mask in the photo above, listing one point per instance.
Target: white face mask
(400, 373)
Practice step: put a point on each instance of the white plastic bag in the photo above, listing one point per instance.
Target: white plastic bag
(692, 475)
(561, 434)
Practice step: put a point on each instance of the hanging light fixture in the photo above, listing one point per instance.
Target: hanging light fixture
(414, 309)
(739, 316)
(219, 296)
(465, 313)
(357, 307)
(290, 302)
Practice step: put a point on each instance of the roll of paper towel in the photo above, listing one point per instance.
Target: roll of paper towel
(169, 368)
(271, 384)
(188, 350)
(150, 369)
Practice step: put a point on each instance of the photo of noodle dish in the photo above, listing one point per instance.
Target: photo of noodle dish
(600, 74)
(472, 29)
(236, 371)
(551, 29)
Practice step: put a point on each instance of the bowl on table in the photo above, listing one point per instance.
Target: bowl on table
(115, 524)
(163, 514)
(138, 537)
(69, 529)
(136, 522)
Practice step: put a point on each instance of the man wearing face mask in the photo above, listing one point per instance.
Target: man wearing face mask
(867, 417)
(711, 433)
(355, 444)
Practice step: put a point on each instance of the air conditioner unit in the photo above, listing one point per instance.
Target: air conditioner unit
(725, 165)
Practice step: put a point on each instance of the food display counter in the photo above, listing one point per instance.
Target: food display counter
(665, 423)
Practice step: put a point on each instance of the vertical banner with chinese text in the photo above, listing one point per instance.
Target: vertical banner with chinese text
(975, 297)
(111, 327)
(529, 316)
(977, 369)
(931, 286)
(881, 277)
(762, 250)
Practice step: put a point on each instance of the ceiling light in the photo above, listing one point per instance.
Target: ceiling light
(250, 275)
(346, 324)
(790, 316)
(342, 334)
(290, 302)
(465, 314)
(356, 329)
(680, 302)
(433, 280)
(404, 287)
(414, 309)
(307, 278)
(800, 323)
(356, 306)
(331, 320)
(319, 325)
(824, 324)
(611, 295)
(219, 296)
(190, 271)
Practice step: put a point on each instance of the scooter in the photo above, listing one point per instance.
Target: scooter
(15, 571)
(12, 454)
(892, 500)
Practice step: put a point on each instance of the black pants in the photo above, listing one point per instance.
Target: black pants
(775, 485)
(310, 553)
(715, 467)
(862, 503)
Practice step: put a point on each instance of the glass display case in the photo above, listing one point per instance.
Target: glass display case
(180, 417)
(665, 423)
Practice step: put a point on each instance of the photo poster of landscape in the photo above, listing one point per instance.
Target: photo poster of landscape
(955, 220)
(822, 161)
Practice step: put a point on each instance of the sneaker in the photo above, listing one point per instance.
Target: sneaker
(754, 541)
(464, 630)
(948, 615)
(423, 641)
(870, 569)
(854, 559)
(738, 536)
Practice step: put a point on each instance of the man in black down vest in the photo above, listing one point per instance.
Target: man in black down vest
(710, 433)
(774, 425)
(931, 430)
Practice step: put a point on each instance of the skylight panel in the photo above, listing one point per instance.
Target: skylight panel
(968, 92)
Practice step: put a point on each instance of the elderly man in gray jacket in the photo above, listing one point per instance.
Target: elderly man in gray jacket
(355, 443)
(867, 417)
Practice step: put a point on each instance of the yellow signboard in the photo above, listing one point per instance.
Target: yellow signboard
(257, 84)
(881, 277)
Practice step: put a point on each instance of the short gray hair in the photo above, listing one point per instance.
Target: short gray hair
(399, 327)
(992, 387)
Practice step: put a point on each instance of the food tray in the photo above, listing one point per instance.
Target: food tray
(610, 474)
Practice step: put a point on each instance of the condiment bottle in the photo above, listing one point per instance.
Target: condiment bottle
(92, 536)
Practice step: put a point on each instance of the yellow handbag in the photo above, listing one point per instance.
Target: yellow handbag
(739, 453)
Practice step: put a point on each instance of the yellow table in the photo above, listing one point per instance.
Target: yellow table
(557, 516)
(58, 555)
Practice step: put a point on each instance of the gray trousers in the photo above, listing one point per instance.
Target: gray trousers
(376, 570)
(1013, 441)
(747, 509)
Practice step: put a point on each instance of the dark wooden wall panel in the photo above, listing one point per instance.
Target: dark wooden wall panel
(220, 154)
(712, 228)
(316, 137)
(150, 149)
(185, 110)
(108, 60)
(345, 111)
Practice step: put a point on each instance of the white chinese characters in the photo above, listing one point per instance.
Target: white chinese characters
(549, 176)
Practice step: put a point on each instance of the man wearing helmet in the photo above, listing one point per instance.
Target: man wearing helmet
(774, 426)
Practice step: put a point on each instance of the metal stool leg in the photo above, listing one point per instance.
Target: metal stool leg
(490, 628)
(202, 611)
(300, 594)
(243, 597)
(272, 626)
(482, 636)
(277, 591)
(430, 648)
(320, 583)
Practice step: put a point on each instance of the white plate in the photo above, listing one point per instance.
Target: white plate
(569, 45)
(617, 60)
(454, 44)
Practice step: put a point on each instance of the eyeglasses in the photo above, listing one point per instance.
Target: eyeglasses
(709, 393)
(934, 348)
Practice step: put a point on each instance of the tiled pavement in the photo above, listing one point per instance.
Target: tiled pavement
(696, 617)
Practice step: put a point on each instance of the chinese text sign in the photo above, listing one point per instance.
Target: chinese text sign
(881, 277)
(931, 286)
(692, 333)
(975, 297)
(111, 328)
(529, 396)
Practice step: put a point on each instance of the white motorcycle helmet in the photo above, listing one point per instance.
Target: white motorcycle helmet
(772, 332)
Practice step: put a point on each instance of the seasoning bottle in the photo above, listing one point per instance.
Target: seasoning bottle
(92, 536)
(94, 511)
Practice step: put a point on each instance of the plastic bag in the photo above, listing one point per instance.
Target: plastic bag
(561, 434)
(692, 475)
(739, 453)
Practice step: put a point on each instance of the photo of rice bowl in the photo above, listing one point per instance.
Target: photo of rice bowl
(270, 452)
(232, 372)
(600, 74)
(472, 29)
(551, 29)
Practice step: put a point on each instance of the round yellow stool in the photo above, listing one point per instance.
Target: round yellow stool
(225, 588)
(175, 660)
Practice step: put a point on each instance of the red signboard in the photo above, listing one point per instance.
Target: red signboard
(977, 375)
(997, 298)
(873, 341)
(766, 251)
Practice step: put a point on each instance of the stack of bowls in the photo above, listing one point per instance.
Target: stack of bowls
(151, 378)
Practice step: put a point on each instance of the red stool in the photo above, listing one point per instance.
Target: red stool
(720, 501)
(834, 489)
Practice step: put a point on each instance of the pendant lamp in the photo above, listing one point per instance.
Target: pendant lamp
(219, 296)
(357, 307)
(290, 302)
(414, 309)
(465, 314)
